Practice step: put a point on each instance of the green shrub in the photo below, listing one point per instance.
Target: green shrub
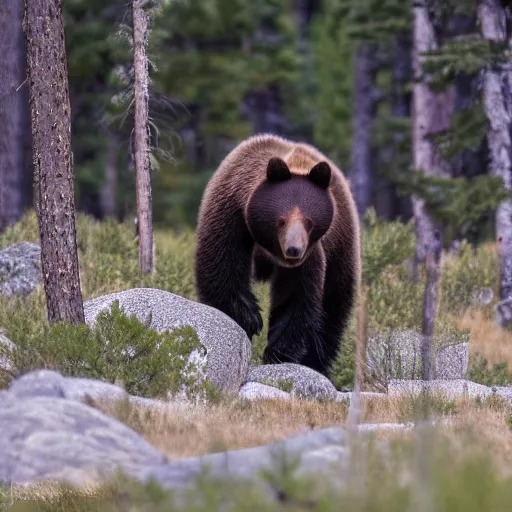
(395, 302)
(481, 372)
(24, 230)
(262, 292)
(469, 272)
(342, 371)
(108, 259)
(116, 349)
(383, 244)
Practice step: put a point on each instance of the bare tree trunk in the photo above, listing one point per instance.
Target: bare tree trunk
(53, 169)
(142, 160)
(354, 413)
(401, 106)
(363, 113)
(498, 108)
(430, 303)
(109, 189)
(388, 204)
(13, 112)
(431, 113)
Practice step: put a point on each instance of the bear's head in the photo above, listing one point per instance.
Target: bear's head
(289, 213)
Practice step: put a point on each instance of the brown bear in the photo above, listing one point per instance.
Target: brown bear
(281, 211)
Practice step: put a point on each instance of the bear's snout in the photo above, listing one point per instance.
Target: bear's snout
(295, 240)
(293, 252)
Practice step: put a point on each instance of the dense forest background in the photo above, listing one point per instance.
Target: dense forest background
(335, 73)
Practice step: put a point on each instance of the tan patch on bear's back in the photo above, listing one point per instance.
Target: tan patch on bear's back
(299, 161)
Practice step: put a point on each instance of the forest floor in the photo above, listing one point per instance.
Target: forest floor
(473, 469)
(187, 431)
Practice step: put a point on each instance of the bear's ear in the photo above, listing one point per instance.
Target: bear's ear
(320, 174)
(277, 170)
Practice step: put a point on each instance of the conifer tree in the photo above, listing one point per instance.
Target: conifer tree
(141, 136)
(495, 23)
(52, 158)
(14, 117)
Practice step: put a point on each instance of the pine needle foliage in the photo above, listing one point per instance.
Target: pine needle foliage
(116, 349)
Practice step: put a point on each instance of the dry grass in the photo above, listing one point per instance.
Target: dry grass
(183, 431)
(487, 339)
(486, 426)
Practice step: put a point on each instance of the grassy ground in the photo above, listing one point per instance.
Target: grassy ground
(465, 464)
(188, 431)
(469, 456)
(108, 263)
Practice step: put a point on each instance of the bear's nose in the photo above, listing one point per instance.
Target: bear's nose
(293, 252)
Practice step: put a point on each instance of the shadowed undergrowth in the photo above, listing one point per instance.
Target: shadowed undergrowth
(467, 462)
(109, 263)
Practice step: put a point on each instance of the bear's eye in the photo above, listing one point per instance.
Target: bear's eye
(308, 224)
(281, 222)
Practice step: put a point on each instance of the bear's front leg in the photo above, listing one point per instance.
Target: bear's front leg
(223, 271)
(296, 317)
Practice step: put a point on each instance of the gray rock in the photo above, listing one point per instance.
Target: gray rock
(450, 389)
(47, 383)
(333, 457)
(503, 312)
(398, 356)
(452, 362)
(37, 384)
(343, 396)
(5, 362)
(46, 438)
(304, 382)
(395, 355)
(257, 391)
(53, 438)
(20, 268)
(504, 392)
(248, 463)
(227, 348)
(482, 296)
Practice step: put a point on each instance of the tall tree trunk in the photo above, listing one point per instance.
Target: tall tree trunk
(388, 204)
(498, 108)
(142, 160)
(362, 123)
(53, 169)
(109, 189)
(13, 113)
(430, 303)
(431, 113)
(401, 106)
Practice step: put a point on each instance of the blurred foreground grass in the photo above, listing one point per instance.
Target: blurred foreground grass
(463, 467)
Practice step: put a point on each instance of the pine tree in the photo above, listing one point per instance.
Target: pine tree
(495, 23)
(226, 63)
(95, 53)
(140, 20)
(14, 117)
(52, 158)
(460, 202)
(353, 50)
(332, 56)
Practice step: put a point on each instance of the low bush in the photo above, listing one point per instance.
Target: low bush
(109, 263)
(117, 349)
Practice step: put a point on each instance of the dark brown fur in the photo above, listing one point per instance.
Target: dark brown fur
(310, 303)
